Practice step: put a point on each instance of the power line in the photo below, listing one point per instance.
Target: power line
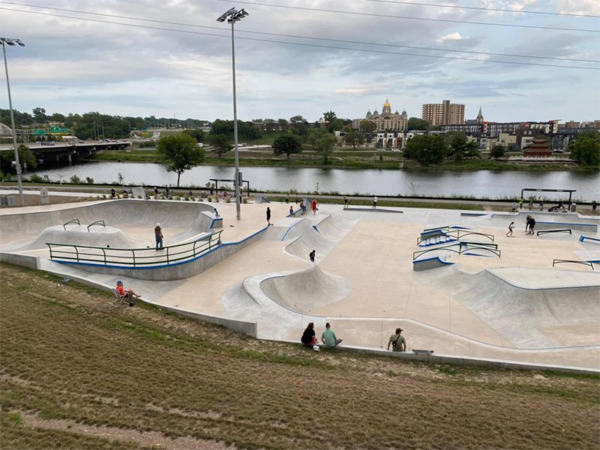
(301, 44)
(425, 19)
(481, 8)
(345, 41)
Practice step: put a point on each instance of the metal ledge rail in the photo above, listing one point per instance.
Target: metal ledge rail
(571, 261)
(97, 222)
(460, 248)
(561, 230)
(70, 222)
(457, 234)
(133, 257)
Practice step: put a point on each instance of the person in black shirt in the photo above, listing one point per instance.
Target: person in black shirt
(312, 256)
(531, 226)
(308, 337)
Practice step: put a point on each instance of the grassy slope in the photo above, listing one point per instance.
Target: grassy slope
(71, 364)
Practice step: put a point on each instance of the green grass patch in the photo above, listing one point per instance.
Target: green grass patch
(15, 418)
(396, 203)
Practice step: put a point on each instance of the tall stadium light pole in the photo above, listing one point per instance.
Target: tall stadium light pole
(232, 16)
(13, 42)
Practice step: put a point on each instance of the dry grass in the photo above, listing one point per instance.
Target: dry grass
(78, 373)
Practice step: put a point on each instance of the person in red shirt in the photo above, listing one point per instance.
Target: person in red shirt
(129, 294)
(314, 206)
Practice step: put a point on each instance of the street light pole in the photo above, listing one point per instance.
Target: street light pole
(233, 16)
(12, 42)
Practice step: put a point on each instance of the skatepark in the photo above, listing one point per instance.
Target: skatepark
(452, 280)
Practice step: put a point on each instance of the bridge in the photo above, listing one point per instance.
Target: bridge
(57, 151)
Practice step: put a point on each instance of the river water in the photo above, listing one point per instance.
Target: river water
(482, 183)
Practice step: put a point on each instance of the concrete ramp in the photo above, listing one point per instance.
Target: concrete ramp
(307, 290)
(306, 239)
(533, 318)
(334, 227)
(74, 234)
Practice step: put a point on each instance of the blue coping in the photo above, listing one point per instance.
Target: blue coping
(584, 238)
(288, 230)
(295, 212)
(315, 227)
(446, 263)
(164, 266)
(212, 224)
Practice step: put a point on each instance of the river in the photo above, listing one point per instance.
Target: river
(442, 183)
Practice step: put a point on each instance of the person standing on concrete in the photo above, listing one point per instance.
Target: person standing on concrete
(292, 213)
(531, 225)
(329, 338)
(514, 207)
(312, 255)
(521, 202)
(541, 205)
(113, 193)
(314, 206)
(345, 201)
(527, 222)
(375, 202)
(594, 206)
(269, 217)
(159, 237)
(308, 337)
(155, 193)
(397, 341)
(167, 192)
(511, 227)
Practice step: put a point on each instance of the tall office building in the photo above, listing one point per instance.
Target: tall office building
(444, 113)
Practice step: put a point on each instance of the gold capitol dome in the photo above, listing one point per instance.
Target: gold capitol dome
(387, 103)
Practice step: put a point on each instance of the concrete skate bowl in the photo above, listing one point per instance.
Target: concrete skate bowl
(306, 291)
(135, 218)
(544, 221)
(322, 237)
(530, 318)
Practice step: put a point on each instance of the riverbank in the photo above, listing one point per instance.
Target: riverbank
(345, 159)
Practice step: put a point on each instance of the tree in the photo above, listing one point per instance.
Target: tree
(39, 115)
(324, 146)
(287, 144)
(586, 149)
(336, 125)
(329, 116)
(426, 149)
(497, 152)
(367, 126)
(460, 146)
(181, 152)
(270, 125)
(414, 123)
(220, 143)
(283, 124)
(26, 158)
(354, 138)
(196, 133)
(299, 125)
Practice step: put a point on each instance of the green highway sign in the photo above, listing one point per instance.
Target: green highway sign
(38, 132)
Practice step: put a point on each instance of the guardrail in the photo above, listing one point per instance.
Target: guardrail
(562, 230)
(460, 248)
(457, 234)
(71, 221)
(571, 261)
(97, 222)
(133, 257)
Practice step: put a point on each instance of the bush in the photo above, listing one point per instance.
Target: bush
(89, 180)
(75, 180)
(34, 178)
(47, 178)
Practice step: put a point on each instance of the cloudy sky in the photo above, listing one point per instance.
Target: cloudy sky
(74, 65)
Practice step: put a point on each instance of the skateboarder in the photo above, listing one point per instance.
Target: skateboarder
(397, 341)
(312, 256)
(511, 227)
(314, 206)
(159, 237)
(269, 217)
(345, 201)
(167, 192)
(374, 202)
(292, 214)
(531, 225)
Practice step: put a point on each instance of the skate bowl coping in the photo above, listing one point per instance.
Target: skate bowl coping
(460, 248)
(458, 234)
(572, 261)
(133, 257)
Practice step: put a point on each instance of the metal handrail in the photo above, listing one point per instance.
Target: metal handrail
(459, 234)
(561, 230)
(462, 247)
(71, 221)
(134, 257)
(571, 261)
(97, 222)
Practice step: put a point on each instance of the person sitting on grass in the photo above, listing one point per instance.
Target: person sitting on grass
(308, 337)
(128, 294)
(329, 338)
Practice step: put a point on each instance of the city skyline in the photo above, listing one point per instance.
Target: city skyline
(79, 66)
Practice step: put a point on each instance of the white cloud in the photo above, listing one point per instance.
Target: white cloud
(451, 37)
(578, 6)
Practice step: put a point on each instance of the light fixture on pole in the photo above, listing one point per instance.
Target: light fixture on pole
(232, 16)
(12, 42)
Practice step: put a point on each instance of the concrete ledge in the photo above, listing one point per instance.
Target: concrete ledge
(371, 209)
(31, 262)
(462, 360)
